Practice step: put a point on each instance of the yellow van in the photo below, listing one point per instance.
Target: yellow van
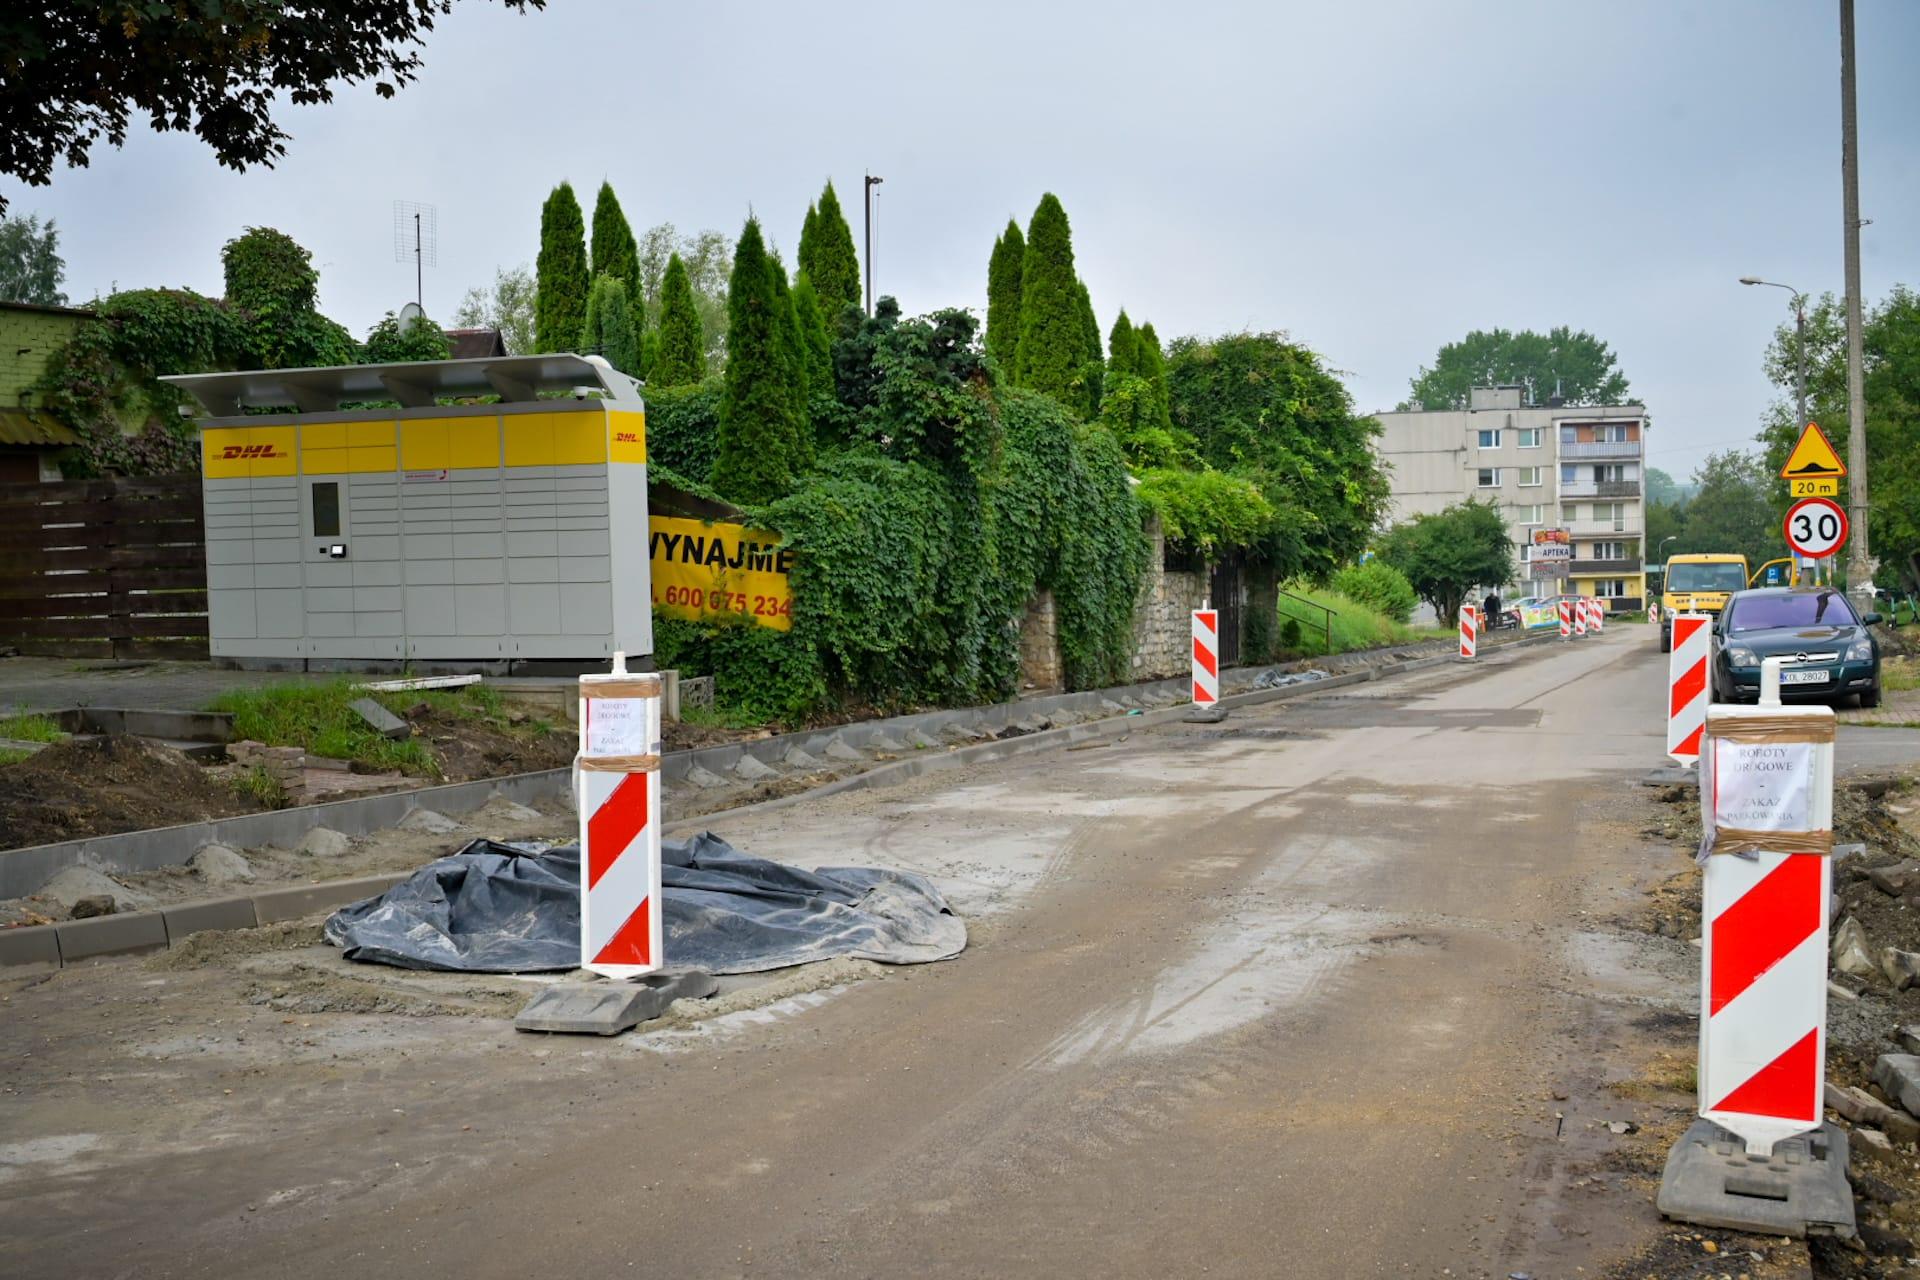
(1698, 583)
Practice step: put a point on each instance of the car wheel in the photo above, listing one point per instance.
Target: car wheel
(1666, 640)
(1870, 699)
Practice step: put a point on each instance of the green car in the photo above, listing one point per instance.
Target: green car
(1831, 655)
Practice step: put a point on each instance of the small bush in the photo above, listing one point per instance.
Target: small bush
(1380, 587)
(30, 728)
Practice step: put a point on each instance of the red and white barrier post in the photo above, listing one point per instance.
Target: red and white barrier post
(1766, 799)
(1598, 618)
(1206, 657)
(1566, 618)
(1580, 616)
(616, 780)
(1469, 631)
(1687, 685)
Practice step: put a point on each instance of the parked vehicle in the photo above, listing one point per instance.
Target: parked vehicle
(1698, 583)
(1831, 655)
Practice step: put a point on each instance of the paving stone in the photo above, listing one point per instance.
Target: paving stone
(221, 913)
(837, 749)
(1850, 953)
(379, 719)
(112, 935)
(430, 822)
(705, 779)
(1909, 1038)
(37, 946)
(1856, 1105)
(799, 759)
(276, 905)
(1874, 1146)
(752, 770)
(608, 1008)
(219, 865)
(1898, 1075)
(1896, 879)
(1901, 1127)
(1902, 968)
(324, 842)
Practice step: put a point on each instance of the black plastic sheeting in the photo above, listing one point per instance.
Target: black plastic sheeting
(495, 907)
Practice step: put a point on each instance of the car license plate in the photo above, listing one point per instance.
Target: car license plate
(1803, 677)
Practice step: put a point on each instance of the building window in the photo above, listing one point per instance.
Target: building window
(1609, 551)
(1530, 477)
(1610, 588)
(1569, 473)
(1535, 514)
(1615, 435)
(1490, 438)
(1610, 474)
(1529, 438)
(1569, 435)
(1489, 478)
(1614, 511)
(1570, 512)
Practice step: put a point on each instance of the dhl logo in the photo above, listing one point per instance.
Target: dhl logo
(238, 451)
(626, 437)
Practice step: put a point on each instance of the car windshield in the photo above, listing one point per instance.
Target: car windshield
(1706, 577)
(1808, 609)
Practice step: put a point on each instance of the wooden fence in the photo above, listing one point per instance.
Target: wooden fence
(112, 568)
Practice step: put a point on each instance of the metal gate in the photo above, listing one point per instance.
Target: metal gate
(1225, 591)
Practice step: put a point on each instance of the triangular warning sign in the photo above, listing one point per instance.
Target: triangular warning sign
(1813, 456)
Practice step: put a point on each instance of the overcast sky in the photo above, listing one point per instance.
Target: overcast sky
(1374, 178)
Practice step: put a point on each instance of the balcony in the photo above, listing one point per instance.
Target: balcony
(1607, 568)
(1599, 488)
(1609, 449)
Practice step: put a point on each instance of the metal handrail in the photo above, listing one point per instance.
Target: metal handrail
(1326, 623)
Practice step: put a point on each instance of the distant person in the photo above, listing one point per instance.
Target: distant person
(1490, 610)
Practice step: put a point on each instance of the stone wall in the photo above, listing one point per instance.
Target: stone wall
(1163, 615)
(1040, 667)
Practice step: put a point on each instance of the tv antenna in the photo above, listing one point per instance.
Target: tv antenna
(414, 234)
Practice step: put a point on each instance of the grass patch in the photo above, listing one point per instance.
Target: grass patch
(1897, 675)
(724, 717)
(30, 728)
(262, 788)
(315, 715)
(14, 755)
(1354, 625)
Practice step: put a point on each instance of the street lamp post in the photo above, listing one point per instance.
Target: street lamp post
(1799, 347)
(872, 182)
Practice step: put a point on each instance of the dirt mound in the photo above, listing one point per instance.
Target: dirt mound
(469, 749)
(103, 786)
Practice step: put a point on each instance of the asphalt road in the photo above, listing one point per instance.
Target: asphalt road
(1330, 989)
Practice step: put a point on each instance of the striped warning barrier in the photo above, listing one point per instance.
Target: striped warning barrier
(1580, 616)
(1766, 794)
(1206, 657)
(1653, 613)
(1687, 691)
(617, 791)
(1566, 618)
(1469, 631)
(1597, 616)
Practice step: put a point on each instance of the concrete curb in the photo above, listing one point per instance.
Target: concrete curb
(53, 946)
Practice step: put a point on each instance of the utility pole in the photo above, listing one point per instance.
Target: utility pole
(1859, 554)
(872, 182)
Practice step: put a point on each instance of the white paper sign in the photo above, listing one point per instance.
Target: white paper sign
(1763, 786)
(616, 727)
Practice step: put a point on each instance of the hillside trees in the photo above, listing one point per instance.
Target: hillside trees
(615, 253)
(1578, 366)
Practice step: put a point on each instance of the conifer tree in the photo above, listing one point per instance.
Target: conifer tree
(1123, 349)
(1003, 299)
(809, 242)
(1093, 372)
(616, 253)
(608, 328)
(815, 342)
(1152, 365)
(793, 347)
(762, 443)
(827, 257)
(1052, 328)
(560, 291)
(679, 354)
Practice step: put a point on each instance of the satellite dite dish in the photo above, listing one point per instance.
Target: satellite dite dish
(410, 315)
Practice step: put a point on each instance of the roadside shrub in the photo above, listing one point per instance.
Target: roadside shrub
(1380, 587)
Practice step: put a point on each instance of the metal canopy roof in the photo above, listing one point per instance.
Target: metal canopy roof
(416, 384)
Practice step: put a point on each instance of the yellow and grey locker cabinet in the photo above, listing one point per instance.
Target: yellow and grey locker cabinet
(510, 532)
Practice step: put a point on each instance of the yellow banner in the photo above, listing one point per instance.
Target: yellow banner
(704, 571)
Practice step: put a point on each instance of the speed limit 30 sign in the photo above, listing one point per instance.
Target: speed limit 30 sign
(1816, 527)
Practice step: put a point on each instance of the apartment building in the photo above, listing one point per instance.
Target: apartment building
(1578, 470)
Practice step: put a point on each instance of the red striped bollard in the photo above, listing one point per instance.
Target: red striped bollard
(617, 791)
(1687, 685)
(1566, 618)
(1206, 657)
(1469, 631)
